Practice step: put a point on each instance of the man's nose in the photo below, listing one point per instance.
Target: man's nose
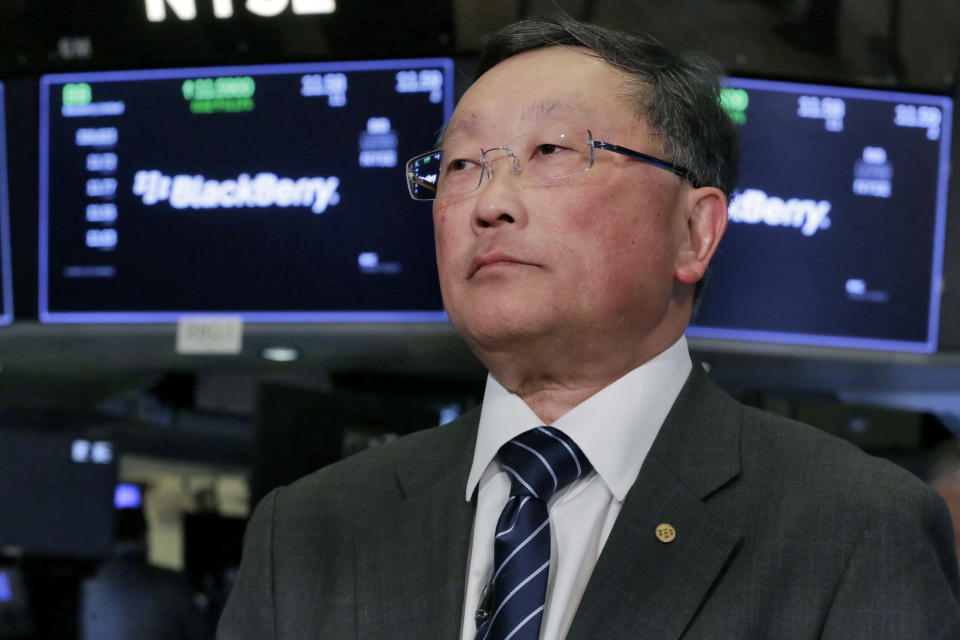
(499, 202)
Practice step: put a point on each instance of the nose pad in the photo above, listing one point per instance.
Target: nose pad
(499, 203)
(512, 161)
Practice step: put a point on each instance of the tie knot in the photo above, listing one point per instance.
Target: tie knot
(542, 461)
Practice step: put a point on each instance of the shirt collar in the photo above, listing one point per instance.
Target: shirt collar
(631, 411)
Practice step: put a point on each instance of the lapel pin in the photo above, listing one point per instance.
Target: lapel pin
(666, 532)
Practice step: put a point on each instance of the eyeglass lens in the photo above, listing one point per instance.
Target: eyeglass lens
(539, 158)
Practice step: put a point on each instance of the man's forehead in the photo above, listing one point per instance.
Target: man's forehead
(475, 120)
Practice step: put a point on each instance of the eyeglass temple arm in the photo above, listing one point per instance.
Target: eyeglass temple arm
(636, 155)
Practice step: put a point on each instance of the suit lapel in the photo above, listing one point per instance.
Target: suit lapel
(642, 586)
(411, 568)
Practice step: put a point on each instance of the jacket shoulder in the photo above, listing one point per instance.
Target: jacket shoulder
(383, 473)
(777, 442)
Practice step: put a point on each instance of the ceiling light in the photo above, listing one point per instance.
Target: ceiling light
(281, 354)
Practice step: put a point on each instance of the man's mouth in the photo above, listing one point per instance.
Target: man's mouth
(492, 260)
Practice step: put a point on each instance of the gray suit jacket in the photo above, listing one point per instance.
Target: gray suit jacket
(782, 532)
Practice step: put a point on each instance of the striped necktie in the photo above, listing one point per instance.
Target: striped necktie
(539, 462)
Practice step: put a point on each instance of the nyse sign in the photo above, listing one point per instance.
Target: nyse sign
(187, 9)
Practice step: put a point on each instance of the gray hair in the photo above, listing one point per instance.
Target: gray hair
(676, 95)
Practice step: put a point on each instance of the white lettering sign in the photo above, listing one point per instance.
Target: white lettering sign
(262, 190)
(873, 174)
(923, 116)
(99, 137)
(102, 162)
(101, 238)
(101, 187)
(187, 9)
(830, 110)
(424, 81)
(378, 144)
(106, 212)
(223, 8)
(753, 206)
(157, 9)
(332, 85)
(870, 187)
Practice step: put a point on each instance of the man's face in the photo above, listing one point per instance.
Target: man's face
(590, 258)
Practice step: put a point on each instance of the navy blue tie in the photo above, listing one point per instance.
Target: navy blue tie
(539, 462)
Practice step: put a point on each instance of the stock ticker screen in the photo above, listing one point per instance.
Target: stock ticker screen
(56, 493)
(275, 192)
(836, 229)
(6, 282)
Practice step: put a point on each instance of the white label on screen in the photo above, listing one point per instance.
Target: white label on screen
(214, 335)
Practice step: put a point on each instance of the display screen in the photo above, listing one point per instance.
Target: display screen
(6, 281)
(56, 494)
(836, 230)
(271, 192)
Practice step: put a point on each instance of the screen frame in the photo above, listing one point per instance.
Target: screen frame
(46, 316)
(6, 270)
(929, 344)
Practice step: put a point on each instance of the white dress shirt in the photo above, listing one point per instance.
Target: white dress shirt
(615, 429)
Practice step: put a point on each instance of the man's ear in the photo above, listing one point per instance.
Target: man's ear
(706, 220)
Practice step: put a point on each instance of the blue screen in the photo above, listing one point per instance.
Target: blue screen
(273, 192)
(836, 230)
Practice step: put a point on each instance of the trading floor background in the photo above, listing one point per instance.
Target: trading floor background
(212, 280)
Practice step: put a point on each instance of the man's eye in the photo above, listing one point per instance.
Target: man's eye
(461, 164)
(548, 149)
(552, 150)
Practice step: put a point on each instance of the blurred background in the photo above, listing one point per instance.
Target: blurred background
(214, 281)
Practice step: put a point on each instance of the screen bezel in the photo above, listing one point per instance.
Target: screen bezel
(929, 344)
(6, 272)
(46, 316)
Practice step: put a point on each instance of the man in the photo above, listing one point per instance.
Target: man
(579, 196)
(130, 598)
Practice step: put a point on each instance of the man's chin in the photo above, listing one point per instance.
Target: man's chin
(497, 339)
